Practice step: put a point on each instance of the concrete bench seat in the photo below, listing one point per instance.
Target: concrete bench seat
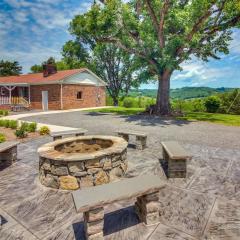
(176, 157)
(91, 201)
(141, 137)
(8, 153)
(61, 134)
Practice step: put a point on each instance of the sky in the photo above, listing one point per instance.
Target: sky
(32, 31)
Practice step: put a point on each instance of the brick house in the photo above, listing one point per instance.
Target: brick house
(53, 90)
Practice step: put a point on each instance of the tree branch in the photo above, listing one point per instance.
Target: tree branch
(153, 15)
(163, 12)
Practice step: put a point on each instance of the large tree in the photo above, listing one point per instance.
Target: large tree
(110, 63)
(162, 34)
(8, 68)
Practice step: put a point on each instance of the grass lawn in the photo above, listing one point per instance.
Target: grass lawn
(120, 110)
(226, 119)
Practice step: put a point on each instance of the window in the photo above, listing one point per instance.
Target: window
(79, 95)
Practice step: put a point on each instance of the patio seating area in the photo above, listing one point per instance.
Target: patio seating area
(204, 205)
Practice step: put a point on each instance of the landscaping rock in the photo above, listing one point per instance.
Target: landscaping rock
(68, 183)
(86, 181)
(59, 170)
(76, 167)
(101, 178)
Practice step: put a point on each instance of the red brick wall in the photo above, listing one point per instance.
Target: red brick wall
(70, 101)
(89, 96)
(53, 96)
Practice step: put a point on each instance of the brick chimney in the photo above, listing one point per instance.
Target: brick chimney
(49, 69)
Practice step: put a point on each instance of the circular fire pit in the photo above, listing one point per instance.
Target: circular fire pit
(83, 161)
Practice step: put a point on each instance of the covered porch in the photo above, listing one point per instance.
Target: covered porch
(15, 94)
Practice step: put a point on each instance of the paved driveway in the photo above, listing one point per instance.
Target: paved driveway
(200, 133)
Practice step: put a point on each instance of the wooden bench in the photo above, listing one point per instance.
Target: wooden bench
(8, 153)
(176, 158)
(141, 138)
(91, 201)
(61, 134)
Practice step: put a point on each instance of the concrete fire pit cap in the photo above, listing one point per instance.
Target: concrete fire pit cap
(49, 150)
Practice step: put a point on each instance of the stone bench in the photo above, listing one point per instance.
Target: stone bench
(141, 138)
(176, 158)
(8, 153)
(91, 201)
(61, 134)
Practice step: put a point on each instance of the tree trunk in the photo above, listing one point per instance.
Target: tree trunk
(115, 101)
(163, 96)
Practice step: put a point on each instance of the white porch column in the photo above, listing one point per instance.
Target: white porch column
(10, 88)
(29, 96)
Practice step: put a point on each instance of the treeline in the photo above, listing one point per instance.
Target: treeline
(182, 93)
(228, 102)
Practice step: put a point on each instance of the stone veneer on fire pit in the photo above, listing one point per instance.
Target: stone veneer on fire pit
(83, 161)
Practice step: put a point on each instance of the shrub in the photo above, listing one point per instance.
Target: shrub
(3, 112)
(44, 130)
(212, 104)
(2, 138)
(6, 123)
(20, 133)
(24, 126)
(13, 124)
(128, 103)
(2, 123)
(32, 127)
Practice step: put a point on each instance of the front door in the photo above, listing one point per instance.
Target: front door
(45, 100)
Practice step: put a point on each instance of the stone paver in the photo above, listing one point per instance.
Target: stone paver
(205, 205)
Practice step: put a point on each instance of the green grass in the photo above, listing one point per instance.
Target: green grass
(226, 119)
(119, 110)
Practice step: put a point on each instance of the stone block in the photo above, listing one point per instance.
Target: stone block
(93, 170)
(116, 164)
(94, 215)
(116, 158)
(150, 197)
(148, 207)
(59, 170)
(46, 165)
(86, 181)
(177, 174)
(95, 227)
(76, 167)
(124, 166)
(115, 173)
(94, 163)
(101, 178)
(68, 183)
(107, 165)
(80, 174)
(50, 181)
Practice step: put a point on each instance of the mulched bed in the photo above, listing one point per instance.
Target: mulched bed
(10, 136)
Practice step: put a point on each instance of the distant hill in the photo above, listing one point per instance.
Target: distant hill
(182, 93)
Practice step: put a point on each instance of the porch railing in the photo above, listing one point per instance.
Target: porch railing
(13, 101)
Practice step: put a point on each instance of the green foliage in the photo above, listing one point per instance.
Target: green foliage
(212, 104)
(8, 68)
(230, 102)
(20, 133)
(32, 127)
(13, 124)
(193, 105)
(136, 102)
(198, 28)
(2, 138)
(44, 130)
(4, 113)
(61, 65)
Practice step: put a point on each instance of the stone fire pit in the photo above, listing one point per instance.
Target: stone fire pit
(83, 161)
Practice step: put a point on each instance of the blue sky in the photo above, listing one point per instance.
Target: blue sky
(31, 31)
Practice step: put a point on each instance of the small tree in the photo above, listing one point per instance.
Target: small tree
(162, 34)
(212, 104)
(8, 68)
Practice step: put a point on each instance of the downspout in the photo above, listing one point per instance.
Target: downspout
(61, 97)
